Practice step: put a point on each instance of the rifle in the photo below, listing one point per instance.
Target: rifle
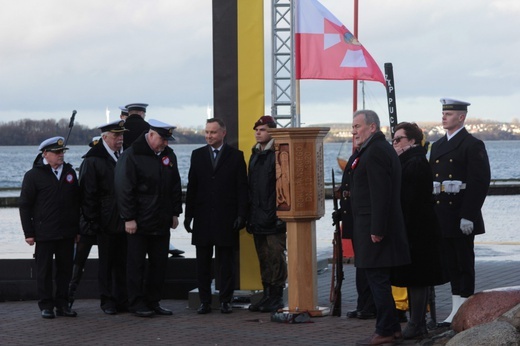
(71, 124)
(337, 260)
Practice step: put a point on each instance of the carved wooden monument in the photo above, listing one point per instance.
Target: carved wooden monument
(300, 195)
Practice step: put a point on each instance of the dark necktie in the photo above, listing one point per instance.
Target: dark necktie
(215, 153)
(116, 153)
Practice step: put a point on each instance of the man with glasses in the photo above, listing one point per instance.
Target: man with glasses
(49, 212)
(101, 215)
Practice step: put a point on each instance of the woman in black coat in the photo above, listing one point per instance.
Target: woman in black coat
(421, 227)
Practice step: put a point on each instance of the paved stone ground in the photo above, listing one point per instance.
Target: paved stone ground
(21, 324)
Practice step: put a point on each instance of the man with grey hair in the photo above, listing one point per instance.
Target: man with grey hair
(101, 215)
(379, 235)
(149, 196)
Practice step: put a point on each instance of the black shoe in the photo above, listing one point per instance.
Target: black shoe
(443, 324)
(66, 311)
(47, 313)
(176, 252)
(110, 310)
(352, 314)
(144, 312)
(413, 331)
(226, 308)
(162, 311)
(204, 308)
(363, 315)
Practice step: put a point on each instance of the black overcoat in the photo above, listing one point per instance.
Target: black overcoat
(376, 207)
(136, 126)
(461, 158)
(49, 208)
(422, 227)
(215, 197)
(148, 187)
(98, 198)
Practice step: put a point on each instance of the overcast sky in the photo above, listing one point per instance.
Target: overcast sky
(60, 55)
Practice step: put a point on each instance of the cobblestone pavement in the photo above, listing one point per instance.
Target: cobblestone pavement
(21, 324)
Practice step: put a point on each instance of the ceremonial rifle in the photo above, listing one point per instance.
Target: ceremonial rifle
(71, 124)
(337, 260)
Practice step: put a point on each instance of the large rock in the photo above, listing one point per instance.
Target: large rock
(512, 317)
(485, 306)
(488, 334)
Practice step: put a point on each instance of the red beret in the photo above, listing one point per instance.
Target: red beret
(265, 120)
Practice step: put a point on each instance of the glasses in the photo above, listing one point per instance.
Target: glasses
(57, 152)
(396, 140)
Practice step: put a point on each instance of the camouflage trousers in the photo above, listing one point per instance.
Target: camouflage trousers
(270, 249)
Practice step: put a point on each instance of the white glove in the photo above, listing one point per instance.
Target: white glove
(466, 226)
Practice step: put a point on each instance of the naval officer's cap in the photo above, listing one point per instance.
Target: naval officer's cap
(114, 126)
(124, 110)
(53, 144)
(136, 107)
(94, 141)
(164, 130)
(454, 105)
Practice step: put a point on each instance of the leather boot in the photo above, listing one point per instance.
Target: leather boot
(275, 300)
(256, 306)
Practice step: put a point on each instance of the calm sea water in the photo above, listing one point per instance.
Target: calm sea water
(16, 160)
(500, 212)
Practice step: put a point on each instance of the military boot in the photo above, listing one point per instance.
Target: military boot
(275, 300)
(256, 306)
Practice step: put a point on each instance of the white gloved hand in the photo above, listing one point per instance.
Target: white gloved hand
(466, 226)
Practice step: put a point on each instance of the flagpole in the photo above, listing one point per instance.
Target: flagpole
(295, 84)
(354, 82)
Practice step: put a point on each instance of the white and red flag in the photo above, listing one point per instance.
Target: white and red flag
(326, 49)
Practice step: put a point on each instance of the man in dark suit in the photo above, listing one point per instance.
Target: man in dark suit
(216, 202)
(379, 235)
(461, 177)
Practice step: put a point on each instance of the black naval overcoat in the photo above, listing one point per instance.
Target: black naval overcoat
(136, 126)
(463, 158)
(98, 199)
(49, 208)
(148, 187)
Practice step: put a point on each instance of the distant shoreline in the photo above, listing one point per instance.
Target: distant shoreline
(498, 187)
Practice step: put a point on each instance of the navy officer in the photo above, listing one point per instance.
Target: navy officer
(461, 177)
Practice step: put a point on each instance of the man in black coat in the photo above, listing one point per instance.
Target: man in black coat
(135, 123)
(49, 212)
(461, 175)
(100, 212)
(269, 232)
(379, 235)
(365, 307)
(149, 196)
(216, 202)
